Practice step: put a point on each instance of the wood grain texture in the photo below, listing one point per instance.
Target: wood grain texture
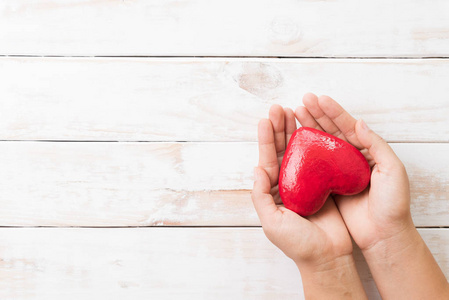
(212, 99)
(164, 263)
(160, 184)
(236, 28)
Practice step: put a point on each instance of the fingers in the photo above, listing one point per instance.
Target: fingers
(341, 118)
(267, 150)
(277, 119)
(304, 116)
(262, 199)
(290, 124)
(306, 119)
(311, 103)
(276, 196)
(381, 152)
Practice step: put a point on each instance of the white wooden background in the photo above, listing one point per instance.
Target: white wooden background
(128, 135)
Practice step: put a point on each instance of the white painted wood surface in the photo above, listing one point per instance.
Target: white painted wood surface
(212, 99)
(200, 27)
(156, 184)
(213, 104)
(161, 263)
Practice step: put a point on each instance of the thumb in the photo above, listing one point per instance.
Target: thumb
(379, 149)
(262, 199)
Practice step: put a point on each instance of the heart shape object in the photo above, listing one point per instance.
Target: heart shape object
(316, 164)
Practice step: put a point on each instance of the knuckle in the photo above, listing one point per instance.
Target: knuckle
(378, 140)
(350, 132)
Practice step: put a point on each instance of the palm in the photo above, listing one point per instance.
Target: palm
(321, 235)
(370, 212)
(358, 221)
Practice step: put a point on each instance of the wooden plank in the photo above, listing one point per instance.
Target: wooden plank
(164, 263)
(212, 99)
(135, 184)
(160, 184)
(201, 27)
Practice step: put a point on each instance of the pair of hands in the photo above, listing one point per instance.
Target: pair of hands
(378, 213)
(381, 212)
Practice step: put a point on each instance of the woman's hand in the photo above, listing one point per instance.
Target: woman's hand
(320, 244)
(383, 210)
(379, 218)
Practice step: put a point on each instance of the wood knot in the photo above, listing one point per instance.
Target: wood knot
(259, 79)
(285, 31)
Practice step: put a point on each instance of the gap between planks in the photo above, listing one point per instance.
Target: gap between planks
(189, 141)
(227, 56)
(179, 226)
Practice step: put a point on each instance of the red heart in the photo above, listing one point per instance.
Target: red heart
(317, 164)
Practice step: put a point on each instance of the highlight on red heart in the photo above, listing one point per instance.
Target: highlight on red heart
(316, 164)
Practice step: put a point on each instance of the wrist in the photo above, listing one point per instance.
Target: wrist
(385, 232)
(326, 265)
(402, 243)
(403, 268)
(336, 278)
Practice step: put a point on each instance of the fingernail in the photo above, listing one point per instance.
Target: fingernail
(256, 174)
(363, 125)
